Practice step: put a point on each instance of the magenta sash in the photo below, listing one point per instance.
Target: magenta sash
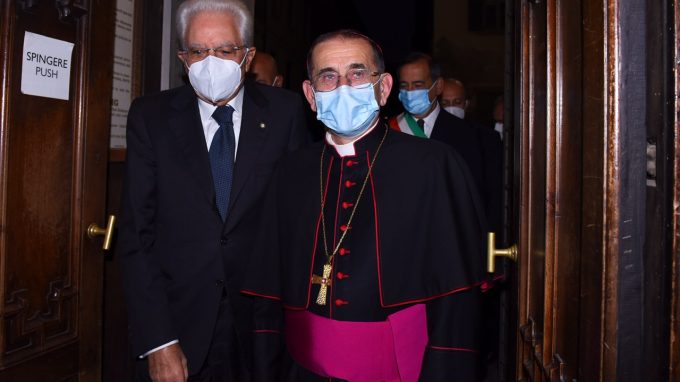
(391, 350)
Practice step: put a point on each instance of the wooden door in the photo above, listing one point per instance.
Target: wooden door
(566, 100)
(53, 157)
(593, 90)
(549, 145)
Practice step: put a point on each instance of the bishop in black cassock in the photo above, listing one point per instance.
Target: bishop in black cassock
(374, 250)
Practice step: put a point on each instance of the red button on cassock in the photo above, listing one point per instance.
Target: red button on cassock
(347, 205)
(349, 183)
(342, 276)
(340, 302)
(343, 228)
(351, 163)
(343, 251)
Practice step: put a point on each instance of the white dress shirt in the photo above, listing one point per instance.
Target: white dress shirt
(210, 125)
(430, 119)
(429, 122)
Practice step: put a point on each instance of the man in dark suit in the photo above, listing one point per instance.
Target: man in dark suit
(198, 160)
(420, 84)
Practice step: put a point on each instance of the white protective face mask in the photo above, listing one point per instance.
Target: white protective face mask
(216, 79)
(455, 110)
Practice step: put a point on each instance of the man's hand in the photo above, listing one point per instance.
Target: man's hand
(168, 365)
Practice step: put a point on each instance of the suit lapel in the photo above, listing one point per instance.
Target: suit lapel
(185, 123)
(437, 126)
(255, 124)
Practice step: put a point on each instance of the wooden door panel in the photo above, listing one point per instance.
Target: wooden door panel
(532, 150)
(591, 211)
(582, 190)
(564, 189)
(596, 99)
(551, 200)
(52, 185)
(40, 285)
(40, 310)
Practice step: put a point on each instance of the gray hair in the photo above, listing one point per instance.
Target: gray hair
(241, 14)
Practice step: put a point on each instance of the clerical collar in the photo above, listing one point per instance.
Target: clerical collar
(347, 149)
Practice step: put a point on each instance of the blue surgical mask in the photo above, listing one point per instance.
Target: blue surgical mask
(348, 111)
(416, 102)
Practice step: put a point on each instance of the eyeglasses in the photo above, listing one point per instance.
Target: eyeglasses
(329, 80)
(224, 52)
(452, 102)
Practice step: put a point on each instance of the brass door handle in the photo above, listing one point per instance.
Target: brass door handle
(492, 252)
(94, 230)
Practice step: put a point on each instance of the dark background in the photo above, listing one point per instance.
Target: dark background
(466, 37)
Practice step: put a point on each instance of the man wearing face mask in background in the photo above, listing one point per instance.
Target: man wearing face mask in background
(420, 84)
(368, 235)
(198, 160)
(265, 71)
(455, 101)
(454, 97)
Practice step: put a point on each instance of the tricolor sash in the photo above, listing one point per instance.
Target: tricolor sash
(413, 125)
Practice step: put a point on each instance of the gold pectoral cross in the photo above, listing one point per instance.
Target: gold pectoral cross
(324, 281)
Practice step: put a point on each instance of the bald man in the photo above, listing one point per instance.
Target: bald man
(265, 71)
(454, 98)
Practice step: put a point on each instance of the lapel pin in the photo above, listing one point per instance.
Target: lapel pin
(262, 125)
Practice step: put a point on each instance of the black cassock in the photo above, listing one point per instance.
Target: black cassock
(417, 237)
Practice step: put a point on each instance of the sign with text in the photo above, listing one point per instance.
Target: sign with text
(121, 96)
(46, 69)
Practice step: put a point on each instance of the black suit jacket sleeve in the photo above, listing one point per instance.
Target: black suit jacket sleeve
(268, 341)
(452, 352)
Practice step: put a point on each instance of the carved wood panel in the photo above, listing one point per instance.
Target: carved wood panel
(28, 328)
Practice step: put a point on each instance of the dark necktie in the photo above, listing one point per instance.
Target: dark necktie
(421, 124)
(222, 158)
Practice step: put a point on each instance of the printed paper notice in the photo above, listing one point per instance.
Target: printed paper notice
(121, 96)
(46, 69)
